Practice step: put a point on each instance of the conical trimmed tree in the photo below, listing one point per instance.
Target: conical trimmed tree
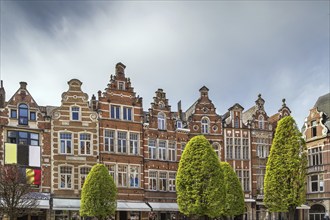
(98, 196)
(234, 204)
(286, 169)
(200, 182)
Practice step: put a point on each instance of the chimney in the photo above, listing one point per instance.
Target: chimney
(120, 69)
(23, 85)
(2, 95)
(180, 110)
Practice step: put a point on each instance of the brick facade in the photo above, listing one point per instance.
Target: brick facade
(141, 148)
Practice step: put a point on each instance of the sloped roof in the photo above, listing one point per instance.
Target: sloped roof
(247, 115)
(323, 104)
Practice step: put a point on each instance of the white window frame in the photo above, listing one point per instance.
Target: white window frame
(205, 125)
(152, 180)
(121, 85)
(162, 145)
(112, 171)
(115, 114)
(83, 176)
(315, 157)
(216, 146)
(65, 141)
(109, 140)
(121, 142)
(238, 148)
(67, 177)
(261, 122)
(152, 149)
(245, 149)
(171, 151)
(161, 121)
(229, 148)
(133, 175)
(128, 111)
(162, 181)
(86, 142)
(319, 181)
(134, 143)
(122, 175)
(246, 180)
(171, 181)
(73, 109)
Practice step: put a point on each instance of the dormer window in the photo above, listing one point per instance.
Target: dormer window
(75, 112)
(161, 121)
(314, 126)
(179, 124)
(23, 114)
(236, 122)
(121, 85)
(33, 116)
(161, 105)
(261, 122)
(205, 126)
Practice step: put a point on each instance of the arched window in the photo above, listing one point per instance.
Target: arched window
(161, 121)
(236, 122)
(261, 122)
(317, 212)
(205, 125)
(23, 114)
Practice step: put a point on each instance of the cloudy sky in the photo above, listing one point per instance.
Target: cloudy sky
(237, 49)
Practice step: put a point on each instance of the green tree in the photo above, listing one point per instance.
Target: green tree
(199, 182)
(98, 196)
(286, 169)
(234, 204)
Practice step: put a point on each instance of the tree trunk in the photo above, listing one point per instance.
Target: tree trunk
(291, 213)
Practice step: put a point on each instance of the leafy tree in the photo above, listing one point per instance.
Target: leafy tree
(16, 198)
(98, 196)
(234, 204)
(199, 182)
(286, 169)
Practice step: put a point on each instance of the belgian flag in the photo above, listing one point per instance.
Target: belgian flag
(31, 176)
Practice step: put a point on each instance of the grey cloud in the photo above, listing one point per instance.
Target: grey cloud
(236, 49)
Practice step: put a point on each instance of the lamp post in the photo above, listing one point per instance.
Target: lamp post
(50, 206)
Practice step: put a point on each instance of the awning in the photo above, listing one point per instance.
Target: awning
(74, 204)
(43, 204)
(249, 200)
(164, 206)
(303, 207)
(66, 204)
(132, 206)
(42, 199)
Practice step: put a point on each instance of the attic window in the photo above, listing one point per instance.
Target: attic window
(13, 113)
(236, 122)
(121, 85)
(179, 124)
(23, 114)
(314, 126)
